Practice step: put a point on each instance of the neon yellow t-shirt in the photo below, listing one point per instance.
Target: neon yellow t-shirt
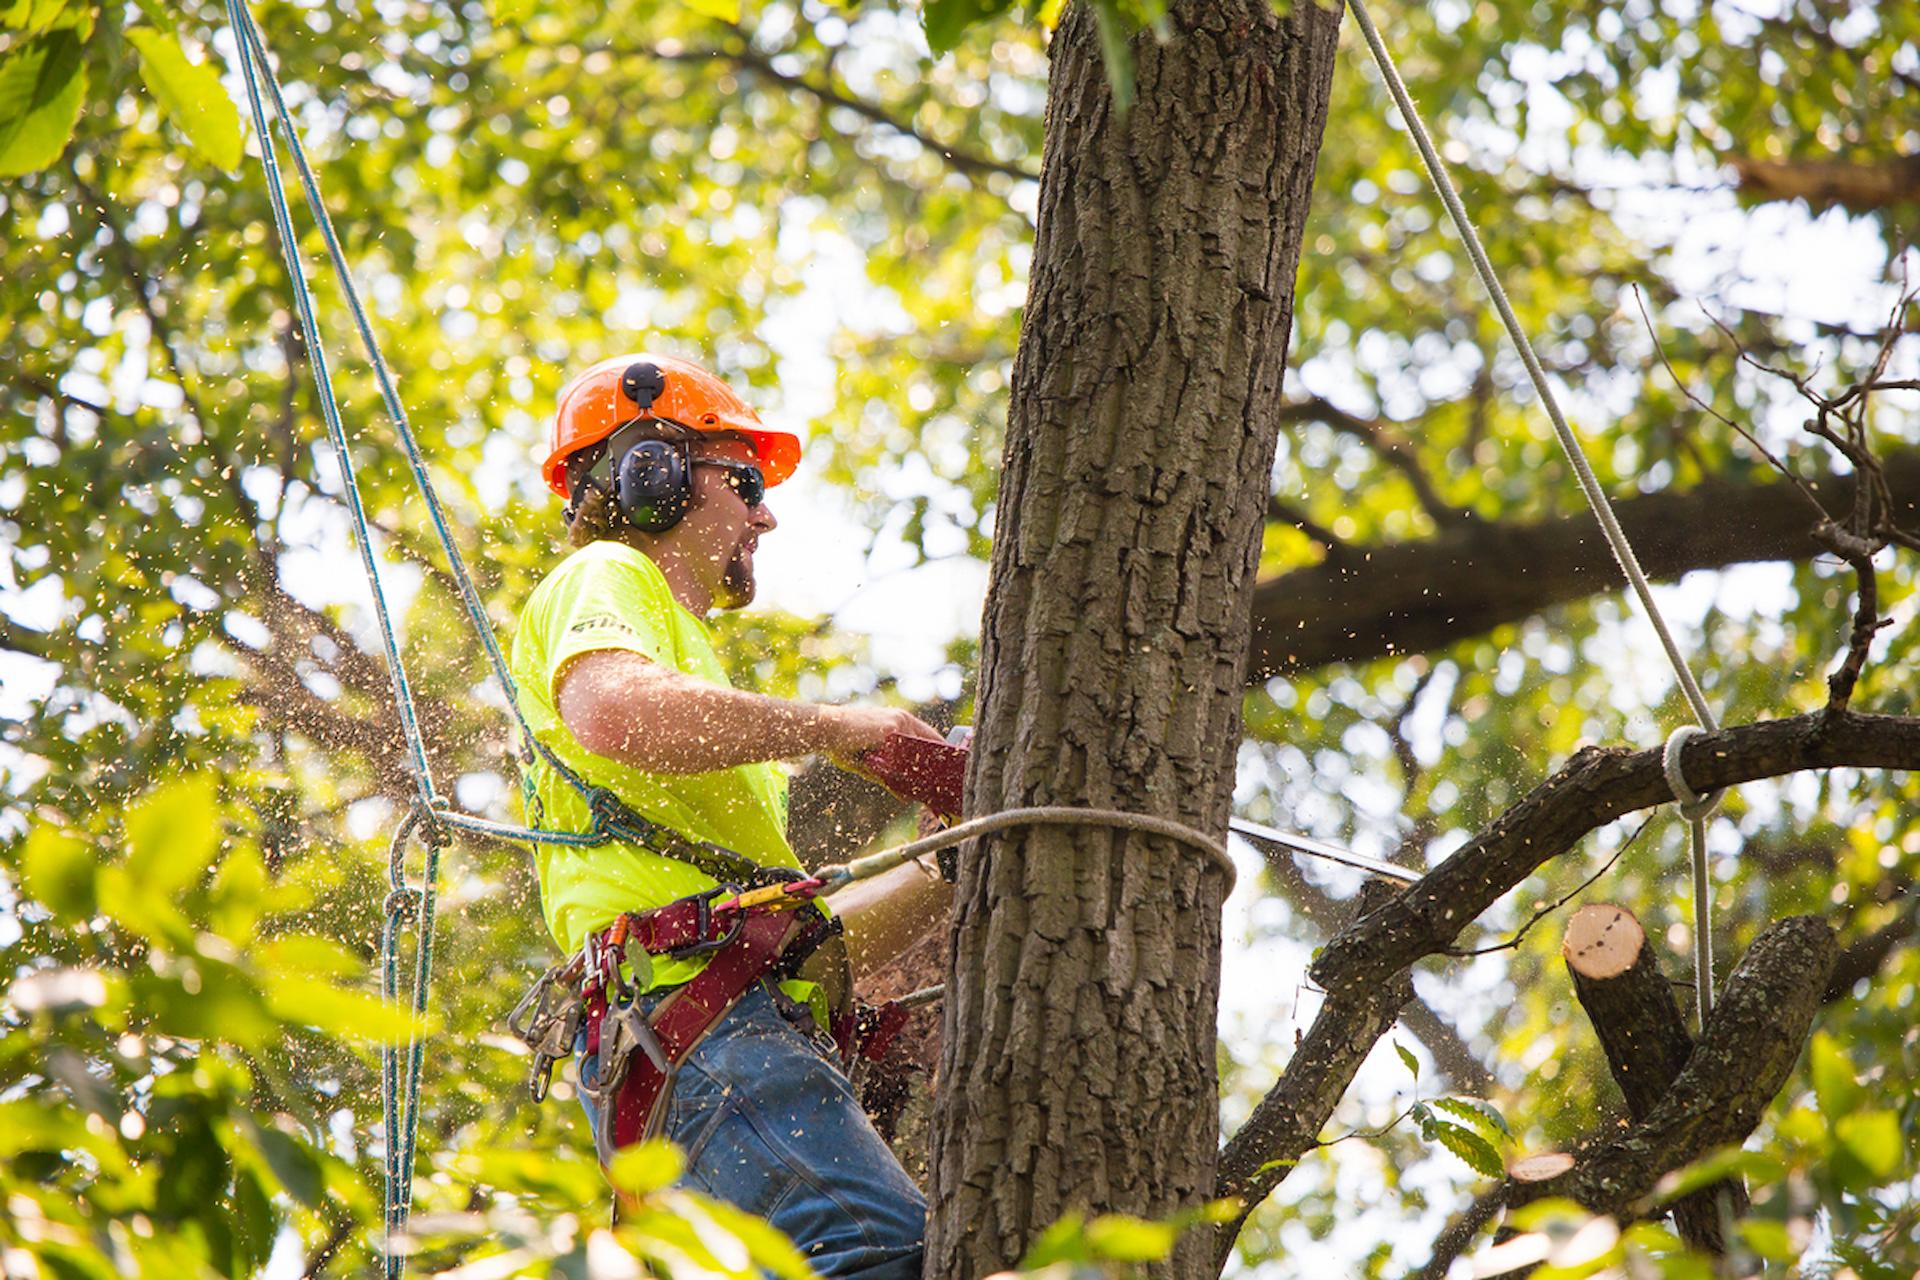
(607, 595)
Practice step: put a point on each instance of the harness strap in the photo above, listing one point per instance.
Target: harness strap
(682, 1020)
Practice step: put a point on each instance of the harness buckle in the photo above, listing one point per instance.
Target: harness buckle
(703, 925)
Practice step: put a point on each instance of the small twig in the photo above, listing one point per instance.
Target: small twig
(1549, 909)
(1867, 621)
(1381, 1132)
(1753, 440)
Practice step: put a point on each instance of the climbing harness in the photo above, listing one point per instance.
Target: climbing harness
(1693, 807)
(637, 1050)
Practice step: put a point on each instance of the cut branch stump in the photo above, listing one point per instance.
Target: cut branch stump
(1638, 1021)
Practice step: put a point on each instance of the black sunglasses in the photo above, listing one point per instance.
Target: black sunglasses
(743, 478)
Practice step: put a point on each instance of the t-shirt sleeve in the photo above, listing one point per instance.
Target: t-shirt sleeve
(607, 604)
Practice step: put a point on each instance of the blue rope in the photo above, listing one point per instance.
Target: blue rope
(317, 358)
(416, 461)
(400, 1102)
(430, 816)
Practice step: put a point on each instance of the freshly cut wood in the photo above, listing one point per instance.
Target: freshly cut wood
(1540, 1167)
(1602, 941)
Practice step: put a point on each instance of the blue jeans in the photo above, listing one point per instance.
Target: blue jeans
(768, 1124)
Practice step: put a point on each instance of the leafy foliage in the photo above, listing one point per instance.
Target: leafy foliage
(525, 188)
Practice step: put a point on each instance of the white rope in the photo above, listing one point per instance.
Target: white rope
(1058, 815)
(1695, 808)
(1583, 471)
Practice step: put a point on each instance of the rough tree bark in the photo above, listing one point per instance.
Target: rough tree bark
(1630, 1002)
(1077, 1063)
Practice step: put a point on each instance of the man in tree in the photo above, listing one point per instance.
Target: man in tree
(665, 470)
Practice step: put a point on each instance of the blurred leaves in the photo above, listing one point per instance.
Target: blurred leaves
(191, 94)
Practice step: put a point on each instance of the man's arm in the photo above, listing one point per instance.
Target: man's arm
(622, 705)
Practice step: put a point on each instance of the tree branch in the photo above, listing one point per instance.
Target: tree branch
(1386, 440)
(1451, 1053)
(1596, 786)
(748, 58)
(1743, 1059)
(1862, 186)
(1630, 1002)
(1287, 1122)
(1750, 1044)
(1415, 596)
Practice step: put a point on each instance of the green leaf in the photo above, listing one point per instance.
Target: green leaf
(647, 1167)
(1874, 1139)
(295, 1166)
(1727, 1162)
(1768, 1239)
(1834, 1081)
(191, 94)
(354, 1015)
(1483, 1117)
(1406, 1056)
(1116, 1237)
(946, 21)
(1476, 1151)
(59, 872)
(1116, 50)
(172, 834)
(41, 85)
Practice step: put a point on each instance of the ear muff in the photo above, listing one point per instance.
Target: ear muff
(653, 485)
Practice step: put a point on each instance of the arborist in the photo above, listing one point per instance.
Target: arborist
(704, 985)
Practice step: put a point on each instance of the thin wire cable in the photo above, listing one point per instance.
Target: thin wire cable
(1576, 455)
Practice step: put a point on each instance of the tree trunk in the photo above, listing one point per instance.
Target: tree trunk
(1077, 1065)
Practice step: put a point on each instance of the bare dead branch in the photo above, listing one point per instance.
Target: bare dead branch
(1752, 440)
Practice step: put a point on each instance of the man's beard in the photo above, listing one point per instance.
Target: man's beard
(736, 583)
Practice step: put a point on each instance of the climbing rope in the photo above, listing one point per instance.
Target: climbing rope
(1693, 807)
(430, 816)
(837, 875)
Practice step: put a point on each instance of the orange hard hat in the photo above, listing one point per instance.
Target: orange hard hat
(608, 396)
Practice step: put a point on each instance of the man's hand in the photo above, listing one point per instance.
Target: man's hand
(851, 732)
